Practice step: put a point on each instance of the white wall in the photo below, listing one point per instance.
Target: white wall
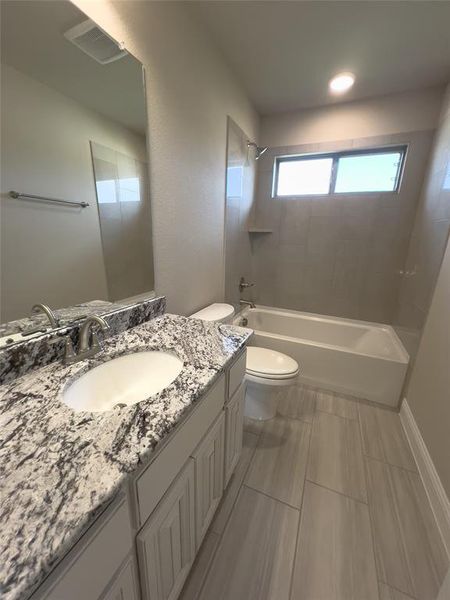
(429, 237)
(50, 253)
(397, 113)
(428, 392)
(190, 92)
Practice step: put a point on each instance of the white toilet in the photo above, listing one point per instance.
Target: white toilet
(266, 370)
(217, 312)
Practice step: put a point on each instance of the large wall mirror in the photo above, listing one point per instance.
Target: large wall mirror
(75, 203)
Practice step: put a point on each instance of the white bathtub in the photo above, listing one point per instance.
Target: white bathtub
(354, 357)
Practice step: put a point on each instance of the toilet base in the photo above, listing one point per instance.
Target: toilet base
(261, 401)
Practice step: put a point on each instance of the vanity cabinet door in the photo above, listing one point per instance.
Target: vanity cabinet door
(166, 544)
(209, 464)
(233, 431)
(125, 587)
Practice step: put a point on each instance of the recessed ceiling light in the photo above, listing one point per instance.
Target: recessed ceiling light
(341, 83)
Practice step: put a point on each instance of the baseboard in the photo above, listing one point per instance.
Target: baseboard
(440, 504)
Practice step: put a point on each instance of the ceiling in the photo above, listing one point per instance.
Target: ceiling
(285, 52)
(32, 41)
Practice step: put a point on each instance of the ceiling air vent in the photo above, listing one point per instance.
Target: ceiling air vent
(95, 42)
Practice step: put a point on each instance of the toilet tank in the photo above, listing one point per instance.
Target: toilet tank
(217, 312)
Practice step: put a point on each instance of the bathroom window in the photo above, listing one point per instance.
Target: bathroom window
(359, 171)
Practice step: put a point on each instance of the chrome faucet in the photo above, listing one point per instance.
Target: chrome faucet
(247, 303)
(43, 308)
(41, 327)
(86, 350)
(244, 284)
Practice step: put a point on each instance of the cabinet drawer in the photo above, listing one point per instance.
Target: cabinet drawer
(236, 374)
(156, 479)
(88, 568)
(166, 544)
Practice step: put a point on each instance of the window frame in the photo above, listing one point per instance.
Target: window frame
(336, 156)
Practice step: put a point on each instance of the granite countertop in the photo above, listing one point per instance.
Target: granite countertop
(59, 468)
(64, 316)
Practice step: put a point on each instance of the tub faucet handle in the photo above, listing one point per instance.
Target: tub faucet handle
(244, 284)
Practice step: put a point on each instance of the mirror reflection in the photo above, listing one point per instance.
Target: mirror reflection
(76, 231)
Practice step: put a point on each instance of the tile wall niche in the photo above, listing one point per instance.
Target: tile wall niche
(241, 172)
(338, 254)
(428, 240)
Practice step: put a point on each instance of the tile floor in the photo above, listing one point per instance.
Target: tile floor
(325, 504)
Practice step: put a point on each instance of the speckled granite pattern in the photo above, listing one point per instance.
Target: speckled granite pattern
(19, 359)
(64, 316)
(59, 468)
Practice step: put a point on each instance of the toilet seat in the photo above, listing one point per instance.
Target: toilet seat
(263, 363)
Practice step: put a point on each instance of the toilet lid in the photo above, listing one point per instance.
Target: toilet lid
(270, 363)
(215, 312)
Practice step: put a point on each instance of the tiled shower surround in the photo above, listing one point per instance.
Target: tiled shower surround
(339, 254)
(428, 240)
(239, 199)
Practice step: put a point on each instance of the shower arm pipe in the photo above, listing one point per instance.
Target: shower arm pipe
(258, 149)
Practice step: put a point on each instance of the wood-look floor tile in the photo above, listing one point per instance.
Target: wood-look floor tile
(383, 437)
(335, 456)
(253, 426)
(336, 404)
(249, 443)
(255, 556)
(200, 567)
(389, 593)
(278, 466)
(409, 552)
(298, 402)
(334, 559)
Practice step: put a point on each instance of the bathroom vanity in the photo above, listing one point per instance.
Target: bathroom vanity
(115, 504)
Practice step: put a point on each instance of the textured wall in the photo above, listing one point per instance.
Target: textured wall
(190, 92)
(428, 393)
(239, 204)
(337, 254)
(384, 115)
(428, 239)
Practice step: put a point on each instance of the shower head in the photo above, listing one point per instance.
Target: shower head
(259, 150)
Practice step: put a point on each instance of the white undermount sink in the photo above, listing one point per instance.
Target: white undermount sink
(125, 380)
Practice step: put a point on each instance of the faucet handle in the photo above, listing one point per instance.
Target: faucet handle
(69, 353)
(244, 284)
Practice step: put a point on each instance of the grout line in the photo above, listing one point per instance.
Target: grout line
(325, 487)
(239, 490)
(388, 464)
(295, 418)
(297, 539)
(397, 590)
(327, 412)
(219, 542)
(365, 455)
(372, 527)
(390, 492)
(222, 533)
(208, 568)
(271, 497)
